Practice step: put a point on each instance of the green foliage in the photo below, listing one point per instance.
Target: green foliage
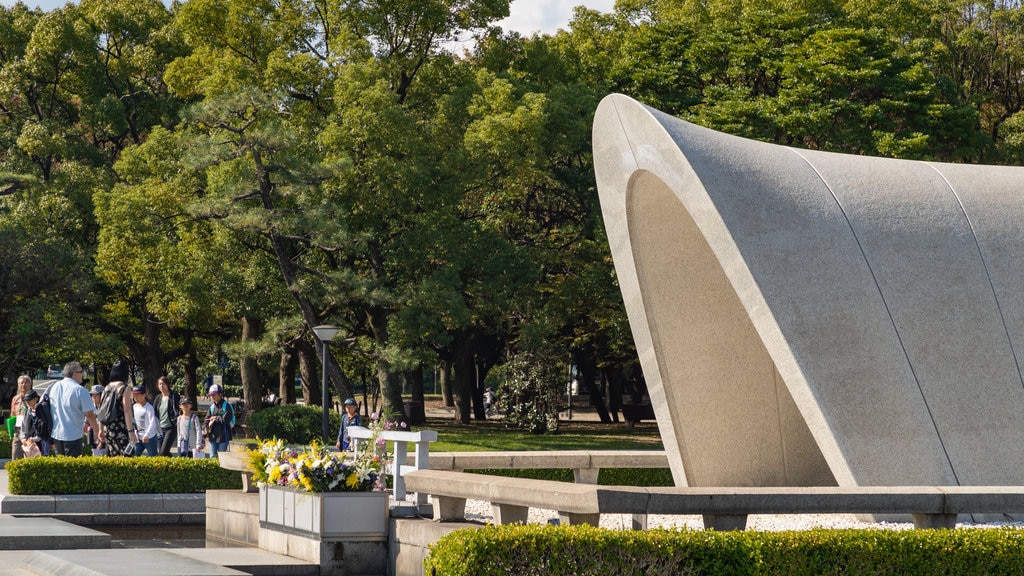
(532, 390)
(119, 475)
(555, 550)
(292, 423)
(5, 444)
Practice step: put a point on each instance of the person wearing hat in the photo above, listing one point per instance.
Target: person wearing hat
(220, 418)
(191, 442)
(147, 426)
(35, 431)
(95, 445)
(349, 418)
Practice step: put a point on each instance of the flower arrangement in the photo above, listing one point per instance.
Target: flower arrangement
(317, 469)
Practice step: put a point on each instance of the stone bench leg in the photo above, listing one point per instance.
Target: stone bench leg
(639, 521)
(922, 521)
(725, 522)
(572, 519)
(449, 509)
(509, 514)
(585, 475)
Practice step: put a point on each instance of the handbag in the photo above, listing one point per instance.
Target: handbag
(31, 449)
(129, 450)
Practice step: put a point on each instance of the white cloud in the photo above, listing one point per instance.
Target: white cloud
(547, 16)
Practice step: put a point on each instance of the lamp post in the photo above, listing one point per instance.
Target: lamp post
(325, 333)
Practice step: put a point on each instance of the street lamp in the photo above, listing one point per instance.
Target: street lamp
(326, 333)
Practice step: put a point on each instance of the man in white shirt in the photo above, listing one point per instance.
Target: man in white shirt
(70, 407)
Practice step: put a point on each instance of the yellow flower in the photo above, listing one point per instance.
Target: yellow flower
(352, 481)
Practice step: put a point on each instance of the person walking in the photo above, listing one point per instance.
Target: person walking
(95, 445)
(19, 409)
(166, 407)
(36, 429)
(191, 441)
(147, 427)
(119, 426)
(71, 407)
(351, 417)
(219, 420)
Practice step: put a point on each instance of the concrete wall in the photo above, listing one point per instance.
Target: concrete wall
(806, 318)
(232, 518)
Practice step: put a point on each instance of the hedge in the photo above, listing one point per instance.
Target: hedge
(567, 550)
(119, 475)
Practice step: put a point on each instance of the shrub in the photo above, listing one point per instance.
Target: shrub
(5, 444)
(557, 550)
(292, 423)
(120, 475)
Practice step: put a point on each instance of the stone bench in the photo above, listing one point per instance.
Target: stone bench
(586, 465)
(722, 508)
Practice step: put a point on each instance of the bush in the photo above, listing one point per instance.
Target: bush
(5, 444)
(293, 423)
(120, 475)
(556, 550)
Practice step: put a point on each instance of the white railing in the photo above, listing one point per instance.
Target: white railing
(420, 450)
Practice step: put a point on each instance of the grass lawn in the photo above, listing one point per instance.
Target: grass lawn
(572, 435)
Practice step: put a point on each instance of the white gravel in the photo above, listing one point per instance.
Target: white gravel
(480, 511)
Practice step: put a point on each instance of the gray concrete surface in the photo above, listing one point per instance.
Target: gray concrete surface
(806, 318)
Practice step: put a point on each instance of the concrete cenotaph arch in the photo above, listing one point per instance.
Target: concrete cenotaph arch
(808, 318)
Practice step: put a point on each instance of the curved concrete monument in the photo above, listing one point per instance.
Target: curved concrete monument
(807, 318)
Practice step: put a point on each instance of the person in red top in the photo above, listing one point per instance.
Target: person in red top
(19, 408)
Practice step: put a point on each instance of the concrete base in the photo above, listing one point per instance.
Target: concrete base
(409, 541)
(232, 518)
(348, 558)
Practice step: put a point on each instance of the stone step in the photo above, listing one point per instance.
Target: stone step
(125, 518)
(132, 562)
(47, 534)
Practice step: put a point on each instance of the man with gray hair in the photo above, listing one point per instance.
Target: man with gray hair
(71, 406)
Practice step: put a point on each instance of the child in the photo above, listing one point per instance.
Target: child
(191, 443)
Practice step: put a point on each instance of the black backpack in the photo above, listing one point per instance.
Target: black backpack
(43, 418)
(111, 408)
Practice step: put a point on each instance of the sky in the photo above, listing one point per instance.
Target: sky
(526, 16)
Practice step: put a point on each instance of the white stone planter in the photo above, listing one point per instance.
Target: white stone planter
(328, 516)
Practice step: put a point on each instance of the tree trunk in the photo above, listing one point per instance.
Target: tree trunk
(390, 387)
(150, 356)
(191, 373)
(417, 406)
(587, 374)
(465, 376)
(309, 369)
(286, 370)
(613, 378)
(252, 380)
(444, 372)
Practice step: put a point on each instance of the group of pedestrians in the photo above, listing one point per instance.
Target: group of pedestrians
(116, 419)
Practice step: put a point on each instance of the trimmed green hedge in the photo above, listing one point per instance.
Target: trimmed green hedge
(5, 444)
(607, 476)
(567, 550)
(120, 475)
(293, 423)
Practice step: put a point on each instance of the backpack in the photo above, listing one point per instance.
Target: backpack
(111, 408)
(43, 418)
